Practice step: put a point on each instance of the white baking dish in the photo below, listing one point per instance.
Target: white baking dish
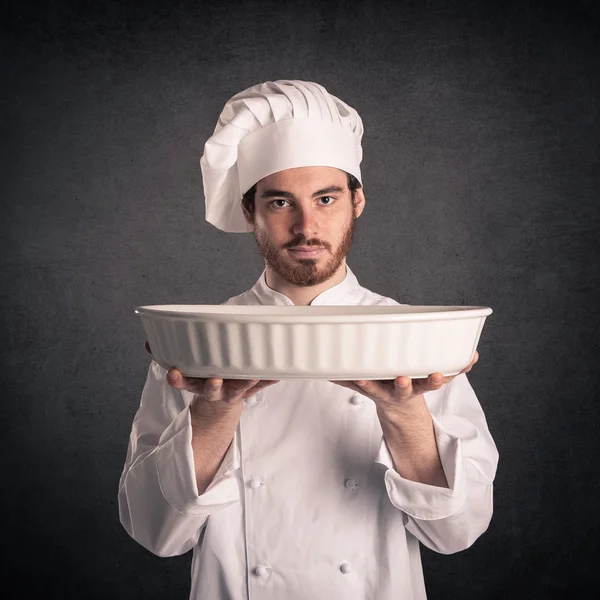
(313, 342)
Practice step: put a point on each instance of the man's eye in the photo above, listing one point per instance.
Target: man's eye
(273, 203)
(329, 198)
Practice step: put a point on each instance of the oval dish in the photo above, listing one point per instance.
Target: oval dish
(313, 342)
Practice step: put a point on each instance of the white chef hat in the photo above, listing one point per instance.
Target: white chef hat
(268, 128)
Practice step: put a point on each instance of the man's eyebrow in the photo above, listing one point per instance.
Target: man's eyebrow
(328, 190)
(276, 194)
(281, 194)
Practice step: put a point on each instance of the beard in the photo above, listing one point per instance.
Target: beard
(305, 272)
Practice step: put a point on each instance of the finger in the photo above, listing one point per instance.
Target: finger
(470, 365)
(369, 387)
(190, 384)
(376, 388)
(265, 383)
(434, 382)
(212, 388)
(404, 383)
(365, 385)
(261, 385)
(175, 379)
(351, 385)
(237, 386)
(405, 387)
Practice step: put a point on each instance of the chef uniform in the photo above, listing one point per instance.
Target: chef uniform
(306, 504)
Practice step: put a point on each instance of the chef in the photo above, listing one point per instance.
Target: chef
(302, 489)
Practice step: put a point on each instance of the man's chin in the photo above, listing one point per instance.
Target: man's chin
(307, 275)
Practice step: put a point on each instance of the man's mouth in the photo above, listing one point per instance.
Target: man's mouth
(306, 251)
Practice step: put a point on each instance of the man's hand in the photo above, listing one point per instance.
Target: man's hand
(407, 424)
(215, 412)
(225, 392)
(398, 393)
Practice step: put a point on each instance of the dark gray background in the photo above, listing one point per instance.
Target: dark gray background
(481, 174)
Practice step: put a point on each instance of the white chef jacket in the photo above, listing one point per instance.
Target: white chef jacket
(306, 504)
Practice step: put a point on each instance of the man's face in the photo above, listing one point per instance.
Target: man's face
(308, 207)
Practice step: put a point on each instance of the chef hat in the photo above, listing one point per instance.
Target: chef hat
(270, 127)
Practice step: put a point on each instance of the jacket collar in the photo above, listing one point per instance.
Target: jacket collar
(336, 295)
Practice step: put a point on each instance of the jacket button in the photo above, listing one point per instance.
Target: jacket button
(357, 400)
(255, 483)
(351, 484)
(345, 568)
(261, 570)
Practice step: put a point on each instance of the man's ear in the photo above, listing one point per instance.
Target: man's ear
(249, 216)
(359, 202)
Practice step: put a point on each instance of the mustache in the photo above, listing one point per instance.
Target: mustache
(303, 242)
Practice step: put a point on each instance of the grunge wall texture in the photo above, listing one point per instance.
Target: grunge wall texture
(481, 173)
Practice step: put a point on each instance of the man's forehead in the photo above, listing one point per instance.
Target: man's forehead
(305, 177)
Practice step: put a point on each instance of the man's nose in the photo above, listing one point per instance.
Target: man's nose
(305, 222)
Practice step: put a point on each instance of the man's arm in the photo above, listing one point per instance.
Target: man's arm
(215, 413)
(407, 424)
(449, 520)
(445, 514)
(410, 437)
(212, 434)
(180, 465)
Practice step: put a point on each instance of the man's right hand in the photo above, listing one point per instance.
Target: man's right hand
(226, 392)
(215, 412)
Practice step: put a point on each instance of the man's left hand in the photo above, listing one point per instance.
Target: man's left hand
(397, 393)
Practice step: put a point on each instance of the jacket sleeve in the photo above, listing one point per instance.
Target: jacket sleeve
(159, 505)
(450, 520)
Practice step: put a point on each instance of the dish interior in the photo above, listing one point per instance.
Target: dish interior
(224, 310)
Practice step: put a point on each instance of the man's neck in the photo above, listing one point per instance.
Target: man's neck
(303, 296)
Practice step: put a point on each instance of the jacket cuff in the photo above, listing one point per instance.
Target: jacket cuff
(421, 500)
(177, 477)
